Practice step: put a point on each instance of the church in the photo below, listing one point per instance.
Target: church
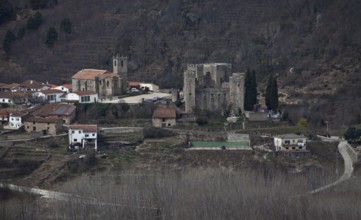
(106, 84)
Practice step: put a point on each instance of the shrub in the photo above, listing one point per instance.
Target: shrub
(51, 37)
(35, 21)
(66, 25)
(38, 4)
(202, 121)
(157, 133)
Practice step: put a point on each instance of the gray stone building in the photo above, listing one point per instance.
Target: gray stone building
(105, 83)
(213, 87)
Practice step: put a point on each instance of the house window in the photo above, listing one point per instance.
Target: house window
(286, 148)
(93, 135)
(75, 140)
(107, 83)
(300, 148)
(115, 63)
(168, 124)
(122, 63)
(33, 123)
(287, 141)
(72, 132)
(293, 148)
(48, 123)
(79, 132)
(163, 119)
(34, 128)
(87, 135)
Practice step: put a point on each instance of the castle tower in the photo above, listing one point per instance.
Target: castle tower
(236, 92)
(120, 65)
(189, 90)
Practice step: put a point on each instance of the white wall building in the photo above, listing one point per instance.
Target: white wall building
(152, 87)
(290, 142)
(83, 96)
(83, 136)
(51, 95)
(65, 88)
(16, 119)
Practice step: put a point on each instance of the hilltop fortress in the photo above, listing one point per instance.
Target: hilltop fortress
(213, 87)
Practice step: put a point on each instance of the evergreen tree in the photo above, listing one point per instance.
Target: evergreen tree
(35, 21)
(38, 4)
(7, 11)
(9, 38)
(21, 32)
(251, 90)
(51, 37)
(268, 92)
(66, 26)
(272, 94)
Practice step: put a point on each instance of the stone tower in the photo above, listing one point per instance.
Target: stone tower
(120, 65)
(236, 92)
(189, 89)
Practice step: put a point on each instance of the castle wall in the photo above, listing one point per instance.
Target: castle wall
(236, 92)
(213, 87)
(189, 89)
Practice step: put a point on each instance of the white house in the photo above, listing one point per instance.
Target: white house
(65, 88)
(51, 95)
(290, 142)
(152, 87)
(16, 119)
(17, 97)
(83, 96)
(81, 135)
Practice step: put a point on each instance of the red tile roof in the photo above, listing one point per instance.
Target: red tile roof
(68, 86)
(32, 84)
(18, 114)
(57, 109)
(6, 112)
(52, 91)
(9, 86)
(12, 95)
(164, 113)
(43, 120)
(134, 84)
(85, 128)
(88, 92)
(92, 73)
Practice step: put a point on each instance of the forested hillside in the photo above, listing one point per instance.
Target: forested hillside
(313, 46)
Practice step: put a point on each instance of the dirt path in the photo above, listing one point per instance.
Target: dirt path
(342, 148)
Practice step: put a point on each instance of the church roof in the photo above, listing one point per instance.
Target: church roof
(92, 73)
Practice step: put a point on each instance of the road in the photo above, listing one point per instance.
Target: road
(342, 148)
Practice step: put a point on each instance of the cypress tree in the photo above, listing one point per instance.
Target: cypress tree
(274, 95)
(9, 38)
(51, 37)
(268, 92)
(251, 90)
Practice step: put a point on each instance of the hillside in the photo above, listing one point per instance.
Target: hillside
(314, 46)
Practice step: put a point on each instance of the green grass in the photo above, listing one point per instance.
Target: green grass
(215, 144)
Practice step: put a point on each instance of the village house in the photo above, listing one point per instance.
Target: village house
(103, 82)
(82, 97)
(8, 87)
(16, 119)
(65, 112)
(4, 115)
(164, 117)
(49, 126)
(51, 95)
(65, 88)
(84, 136)
(32, 85)
(290, 142)
(17, 97)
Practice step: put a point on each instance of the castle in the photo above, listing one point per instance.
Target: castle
(213, 87)
(105, 83)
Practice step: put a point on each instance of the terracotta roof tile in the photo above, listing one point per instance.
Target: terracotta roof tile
(88, 92)
(88, 73)
(164, 113)
(85, 128)
(52, 91)
(58, 109)
(43, 120)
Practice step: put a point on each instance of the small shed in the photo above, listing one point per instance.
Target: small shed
(164, 117)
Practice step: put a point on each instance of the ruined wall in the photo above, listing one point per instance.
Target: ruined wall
(189, 89)
(236, 92)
